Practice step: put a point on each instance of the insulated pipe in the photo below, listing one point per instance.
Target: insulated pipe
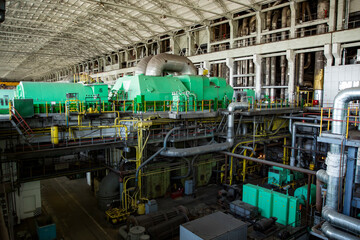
(336, 162)
(342, 221)
(185, 152)
(267, 75)
(252, 24)
(337, 234)
(357, 170)
(293, 139)
(301, 69)
(322, 9)
(141, 66)
(251, 71)
(169, 63)
(155, 154)
(273, 79)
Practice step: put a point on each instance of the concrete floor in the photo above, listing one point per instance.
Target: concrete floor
(74, 210)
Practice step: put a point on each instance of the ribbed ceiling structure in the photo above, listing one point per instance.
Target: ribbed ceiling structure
(40, 36)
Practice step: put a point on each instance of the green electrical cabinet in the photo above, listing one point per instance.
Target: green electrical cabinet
(265, 202)
(294, 215)
(250, 194)
(280, 208)
(273, 204)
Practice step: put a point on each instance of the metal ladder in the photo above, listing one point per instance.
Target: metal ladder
(21, 126)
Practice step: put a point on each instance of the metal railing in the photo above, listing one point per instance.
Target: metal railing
(352, 115)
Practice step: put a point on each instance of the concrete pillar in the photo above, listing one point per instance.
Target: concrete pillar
(258, 73)
(293, 9)
(230, 65)
(290, 56)
(332, 15)
(340, 14)
(328, 55)
(172, 44)
(336, 52)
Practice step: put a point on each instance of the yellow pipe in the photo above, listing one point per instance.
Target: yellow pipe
(321, 120)
(144, 106)
(164, 106)
(210, 106)
(60, 107)
(233, 151)
(46, 109)
(285, 153)
(133, 106)
(244, 166)
(186, 106)
(202, 105)
(328, 125)
(356, 113)
(10, 110)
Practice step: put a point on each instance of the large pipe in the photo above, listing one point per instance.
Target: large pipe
(251, 71)
(322, 9)
(270, 163)
(357, 169)
(336, 164)
(185, 152)
(342, 221)
(284, 21)
(169, 63)
(334, 233)
(108, 190)
(141, 66)
(157, 153)
(267, 75)
(273, 79)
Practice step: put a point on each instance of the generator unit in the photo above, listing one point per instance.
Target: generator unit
(278, 176)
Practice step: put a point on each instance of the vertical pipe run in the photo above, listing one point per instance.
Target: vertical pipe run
(267, 75)
(322, 10)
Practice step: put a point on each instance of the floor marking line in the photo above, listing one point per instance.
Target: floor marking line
(81, 207)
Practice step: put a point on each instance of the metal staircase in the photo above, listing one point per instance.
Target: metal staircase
(21, 125)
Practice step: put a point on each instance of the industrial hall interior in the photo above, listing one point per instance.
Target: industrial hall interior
(179, 119)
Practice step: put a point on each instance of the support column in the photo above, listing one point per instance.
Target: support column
(258, 72)
(290, 56)
(349, 180)
(258, 27)
(332, 15)
(172, 44)
(328, 55)
(336, 52)
(293, 19)
(230, 65)
(340, 14)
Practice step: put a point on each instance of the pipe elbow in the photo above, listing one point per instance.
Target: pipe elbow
(322, 176)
